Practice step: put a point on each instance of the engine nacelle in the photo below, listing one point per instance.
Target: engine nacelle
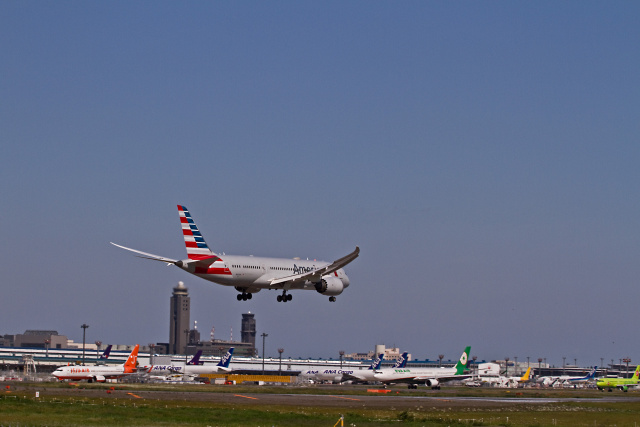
(330, 285)
(433, 383)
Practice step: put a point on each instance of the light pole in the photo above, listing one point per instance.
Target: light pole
(98, 344)
(440, 356)
(46, 346)
(563, 359)
(341, 353)
(627, 360)
(506, 365)
(539, 366)
(280, 350)
(84, 332)
(263, 337)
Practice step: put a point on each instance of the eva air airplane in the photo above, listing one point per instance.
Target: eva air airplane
(619, 383)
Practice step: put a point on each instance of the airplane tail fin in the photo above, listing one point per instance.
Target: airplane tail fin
(636, 375)
(592, 374)
(195, 360)
(375, 364)
(197, 248)
(525, 377)
(402, 361)
(132, 361)
(226, 359)
(462, 363)
(106, 352)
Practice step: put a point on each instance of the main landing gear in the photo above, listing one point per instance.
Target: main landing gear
(284, 297)
(332, 299)
(244, 296)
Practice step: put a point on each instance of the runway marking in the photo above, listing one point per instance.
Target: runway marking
(246, 397)
(345, 398)
(134, 395)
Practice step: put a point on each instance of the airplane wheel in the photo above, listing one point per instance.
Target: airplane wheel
(289, 297)
(239, 296)
(332, 299)
(279, 298)
(249, 296)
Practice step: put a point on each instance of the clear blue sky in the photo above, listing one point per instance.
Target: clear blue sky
(484, 155)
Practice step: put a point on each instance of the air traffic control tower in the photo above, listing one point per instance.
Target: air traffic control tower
(179, 318)
(248, 331)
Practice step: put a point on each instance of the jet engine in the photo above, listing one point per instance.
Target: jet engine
(433, 383)
(330, 285)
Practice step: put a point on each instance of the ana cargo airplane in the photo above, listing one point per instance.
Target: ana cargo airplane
(431, 377)
(98, 373)
(194, 366)
(249, 274)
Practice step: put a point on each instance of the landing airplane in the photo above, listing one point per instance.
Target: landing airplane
(619, 383)
(250, 274)
(193, 367)
(431, 377)
(98, 373)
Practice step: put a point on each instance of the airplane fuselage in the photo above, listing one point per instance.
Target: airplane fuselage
(255, 273)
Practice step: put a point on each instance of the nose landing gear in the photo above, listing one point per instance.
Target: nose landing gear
(332, 299)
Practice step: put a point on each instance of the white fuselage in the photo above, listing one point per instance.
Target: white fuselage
(98, 373)
(184, 369)
(255, 273)
(329, 375)
(412, 374)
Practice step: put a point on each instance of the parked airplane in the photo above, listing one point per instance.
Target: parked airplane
(98, 373)
(401, 362)
(193, 367)
(365, 375)
(489, 373)
(567, 380)
(619, 383)
(250, 274)
(431, 377)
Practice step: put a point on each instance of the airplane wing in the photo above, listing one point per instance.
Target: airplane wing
(443, 379)
(204, 262)
(316, 275)
(146, 255)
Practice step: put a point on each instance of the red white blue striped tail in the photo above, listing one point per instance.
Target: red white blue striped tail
(196, 246)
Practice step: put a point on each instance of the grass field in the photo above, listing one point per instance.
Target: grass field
(184, 405)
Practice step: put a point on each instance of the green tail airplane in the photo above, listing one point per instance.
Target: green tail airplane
(619, 383)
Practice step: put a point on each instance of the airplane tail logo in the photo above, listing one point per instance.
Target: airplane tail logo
(106, 352)
(375, 364)
(462, 363)
(132, 360)
(195, 360)
(226, 359)
(402, 361)
(636, 375)
(196, 246)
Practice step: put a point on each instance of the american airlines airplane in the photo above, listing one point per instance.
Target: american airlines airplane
(98, 373)
(249, 274)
